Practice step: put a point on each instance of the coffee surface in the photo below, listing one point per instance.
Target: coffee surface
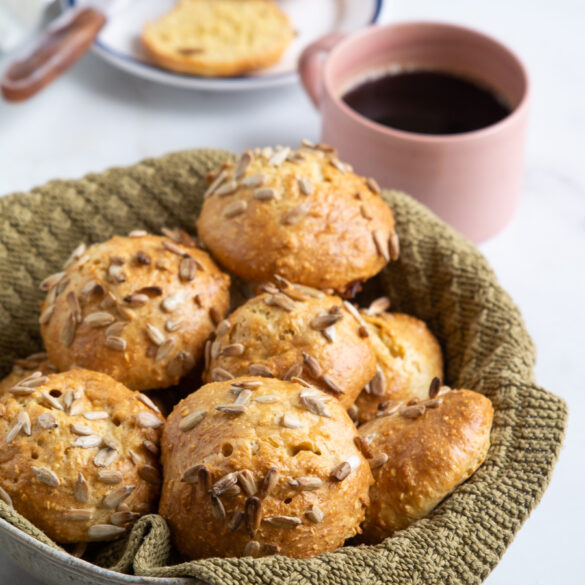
(427, 102)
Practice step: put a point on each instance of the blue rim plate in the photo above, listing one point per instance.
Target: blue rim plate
(118, 42)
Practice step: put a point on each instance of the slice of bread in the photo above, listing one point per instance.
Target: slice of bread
(218, 38)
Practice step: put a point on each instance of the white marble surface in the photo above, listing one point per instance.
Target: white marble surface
(96, 117)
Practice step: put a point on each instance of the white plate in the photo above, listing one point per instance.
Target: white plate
(119, 44)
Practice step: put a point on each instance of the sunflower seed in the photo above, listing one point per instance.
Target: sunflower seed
(95, 415)
(136, 300)
(111, 442)
(155, 334)
(24, 418)
(242, 165)
(434, 387)
(243, 397)
(290, 421)
(305, 186)
(217, 508)
(109, 476)
(314, 404)
(92, 287)
(116, 273)
(123, 517)
(174, 248)
(280, 300)
(341, 471)
(115, 498)
(265, 194)
(363, 446)
(221, 375)
(215, 315)
(253, 514)
(47, 314)
(105, 457)
(33, 380)
(270, 481)
(77, 515)
(21, 390)
(378, 460)
(232, 408)
(235, 208)
(74, 306)
(432, 403)
(52, 281)
(413, 411)
(88, 442)
(234, 349)
(51, 401)
(253, 181)
(46, 476)
(279, 156)
(324, 320)
(148, 402)
(147, 420)
(137, 234)
(247, 481)
(266, 399)
(252, 548)
(331, 384)
(314, 514)
(283, 521)
(99, 319)
(381, 243)
(151, 446)
(164, 349)
(191, 420)
(307, 484)
(82, 430)
(13, 432)
(215, 184)
(104, 531)
(377, 383)
(149, 473)
(68, 330)
(173, 302)
(235, 521)
(227, 189)
(181, 363)
(353, 412)
(394, 246)
(187, 269)
(373, 186)
(198, 474)
(296, 214)
(223, 484)
(259, 370)
(302, 382)
(5, 497)
(365, 211)
(47, 421)
(312, 365)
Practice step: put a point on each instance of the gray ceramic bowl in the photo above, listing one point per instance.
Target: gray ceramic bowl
(57, 568)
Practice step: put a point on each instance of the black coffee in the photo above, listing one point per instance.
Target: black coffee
(427, 102)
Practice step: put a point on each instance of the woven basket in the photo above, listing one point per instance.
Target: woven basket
(440, 278)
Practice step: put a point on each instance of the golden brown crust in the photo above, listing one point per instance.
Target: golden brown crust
(315, 513)
(408, 356)
(428, 456)
(165, 296)
(23, 367)
(218, 38)
(325, 238)
(286, 336)
(70, 447)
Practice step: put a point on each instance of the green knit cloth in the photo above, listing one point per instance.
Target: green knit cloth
(440, 278)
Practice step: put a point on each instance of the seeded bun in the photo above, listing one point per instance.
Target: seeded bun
(258, 466)
(301, 214)
(420, 454)
(408, 355)
(78, 454)
(292, 333)
(138, 308)
(26, 366)
(218, 38)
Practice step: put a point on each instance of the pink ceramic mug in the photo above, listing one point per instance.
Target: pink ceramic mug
(472, 180)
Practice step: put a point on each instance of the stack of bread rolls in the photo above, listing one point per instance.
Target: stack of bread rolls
(296, 418)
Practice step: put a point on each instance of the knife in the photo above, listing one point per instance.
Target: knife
(63, 43)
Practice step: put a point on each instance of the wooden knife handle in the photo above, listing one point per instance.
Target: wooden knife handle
(64, 42)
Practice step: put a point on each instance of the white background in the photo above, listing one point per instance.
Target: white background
(96, 117)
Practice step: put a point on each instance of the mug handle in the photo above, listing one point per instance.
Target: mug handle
(312, 63)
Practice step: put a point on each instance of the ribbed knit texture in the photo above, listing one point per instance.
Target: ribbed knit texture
(440, 278)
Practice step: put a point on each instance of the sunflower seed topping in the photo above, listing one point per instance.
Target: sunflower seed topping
(234, 349)
(331, 384)
(379, 306)
(247, 482)
(109, 476)
(51, 400)
(432, 403)
(136, 300)
(174, 248)
(283, 521)
(373, 186)
(149, 473)
(314, 515)
(227, 189)
(252, 548)
(365, 211)
(77, 515)
(307, 484)
(187, 269)
(123, 517)
(5, 497)
(191, 420)
(260, 370)
(243, 396)
(253, 181)
(266, 399)
(363, 446)
(232, 408)
(115, 343)
(294, 371)
(47, 421)
(296, 214)
(235, 208)
(265, 194)
(290, 421)
(221, 375)
(215, 184)
(46, 476)
(253, 514)
(68, 330)
(115, 498)
(312, 365)
(314, 404)
(378, 460)
(223, 484)
(270, 481)
(13, 432)
(242, 165)
(173, 302)
(88, 442)
(51, 281)
(235, 521)
(434, 387)
(147, 420)
(154, 334)
(198, 474)
(305, 186)
(92, 287)
(217, 508)
(341, 471)
(164, 349)
(280, 300)
(413, 411)
(381, 243)
(377, 383)
(82, 430)
(47, 314)
(151, 446)
(104, 531)
(279, 156)
(95, 415)
(105, 457)
(98, 319)
(394, 246)
(324, 320)
(116, 273)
